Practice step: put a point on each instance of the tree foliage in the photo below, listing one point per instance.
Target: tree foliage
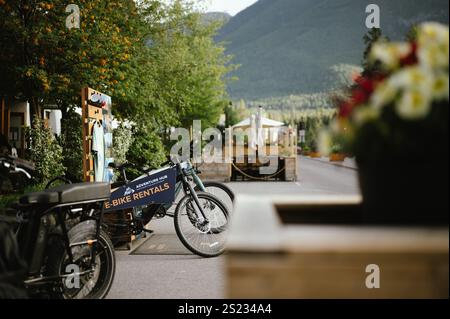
(158, 61)
(71, 143)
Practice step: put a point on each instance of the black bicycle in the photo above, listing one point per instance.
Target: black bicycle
(61, 239)
(200, 218)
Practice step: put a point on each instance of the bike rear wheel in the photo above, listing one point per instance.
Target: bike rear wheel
(221, 191)
(197, 235)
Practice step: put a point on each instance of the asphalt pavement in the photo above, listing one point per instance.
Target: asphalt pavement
(192, 277)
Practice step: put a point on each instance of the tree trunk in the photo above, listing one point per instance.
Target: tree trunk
(36, 109)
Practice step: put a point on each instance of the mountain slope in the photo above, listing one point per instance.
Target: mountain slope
(216, 16)
(289, 46)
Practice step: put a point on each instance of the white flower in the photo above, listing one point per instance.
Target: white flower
(389, 54)
(433, 33)
(441, 86)
(433, 41)
(414, 104)
(433, 56)
(412, 77)
(365, 114)
(383, 95)
(325, 142)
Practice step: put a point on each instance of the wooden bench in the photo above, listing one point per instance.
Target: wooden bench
(317, 247)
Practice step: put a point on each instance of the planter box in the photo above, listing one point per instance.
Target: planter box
(317, 247)
(218, 172)
(315, 155)
(337, 157)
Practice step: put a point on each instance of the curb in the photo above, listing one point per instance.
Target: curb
(330, 163)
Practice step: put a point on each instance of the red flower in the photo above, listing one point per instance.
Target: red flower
(366, 84)
(346, 109)
(361, 93)
(411, 58)
(359, 96)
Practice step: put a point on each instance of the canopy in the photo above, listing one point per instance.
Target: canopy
(266, 123)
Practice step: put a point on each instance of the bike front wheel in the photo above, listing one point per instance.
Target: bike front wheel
(195, 232)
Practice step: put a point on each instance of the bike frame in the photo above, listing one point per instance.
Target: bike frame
(37, 223)
(37, 228)
(189, 172)
(185, 171)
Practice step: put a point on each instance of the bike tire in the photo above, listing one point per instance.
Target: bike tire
(221, 186)
(57, 256)
(227, 190)
(181, 235)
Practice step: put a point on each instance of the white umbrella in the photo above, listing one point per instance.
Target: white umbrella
(252, 139)
(261, 139)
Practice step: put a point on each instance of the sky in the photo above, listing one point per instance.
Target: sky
(230, 6)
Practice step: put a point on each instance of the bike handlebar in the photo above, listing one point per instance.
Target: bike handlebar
(13, 165)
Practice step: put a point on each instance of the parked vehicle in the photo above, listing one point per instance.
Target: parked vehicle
(61, 241)
(200, 218)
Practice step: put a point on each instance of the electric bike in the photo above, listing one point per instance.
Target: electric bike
(200, 218)
(61, 240)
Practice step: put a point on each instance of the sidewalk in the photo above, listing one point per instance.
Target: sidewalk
(349, 163)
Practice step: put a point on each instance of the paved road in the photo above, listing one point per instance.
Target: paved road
(316, 178)
(190, 277)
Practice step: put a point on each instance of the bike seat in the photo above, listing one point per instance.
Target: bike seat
(45, 197)
(65, 194)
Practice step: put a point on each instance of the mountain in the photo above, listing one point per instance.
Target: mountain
(289, 47)
(216, 16)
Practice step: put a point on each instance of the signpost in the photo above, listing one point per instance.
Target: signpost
(97, 144)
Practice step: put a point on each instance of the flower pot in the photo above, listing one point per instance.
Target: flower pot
(315, 155)
(337, 157)
(405, 193)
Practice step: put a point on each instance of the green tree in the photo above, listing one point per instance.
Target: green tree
(190, 68)
(232, 116)
(158, 61)
(44, 62)
(370, 38)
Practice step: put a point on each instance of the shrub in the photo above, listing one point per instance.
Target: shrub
(146, 150)
(71, 141)
(337, 149)
(45, 152)
(123, 139)
(306, 150)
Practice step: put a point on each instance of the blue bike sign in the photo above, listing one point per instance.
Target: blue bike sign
(157, 188)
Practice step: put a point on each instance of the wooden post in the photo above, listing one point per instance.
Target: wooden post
(89, 114)
(2, 127)
(86, 151)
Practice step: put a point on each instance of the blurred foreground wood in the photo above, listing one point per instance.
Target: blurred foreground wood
(317, 248)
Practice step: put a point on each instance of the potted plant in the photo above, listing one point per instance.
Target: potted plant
(396, 113)
(314, 150)
(337, 154)
(306, 150)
